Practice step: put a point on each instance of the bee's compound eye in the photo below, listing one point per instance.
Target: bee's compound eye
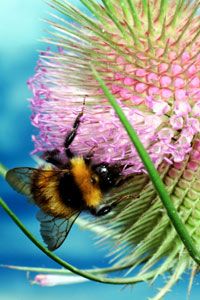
(102, 169)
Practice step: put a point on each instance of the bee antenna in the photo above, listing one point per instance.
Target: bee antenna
(83, 106)
(128, 166)
(84, 99)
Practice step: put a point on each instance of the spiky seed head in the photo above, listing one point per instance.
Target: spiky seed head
(147, 52)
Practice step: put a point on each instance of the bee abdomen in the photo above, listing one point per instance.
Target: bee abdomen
(46, 194)
(70, 192)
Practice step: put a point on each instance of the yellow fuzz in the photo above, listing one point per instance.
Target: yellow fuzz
(83, 177)
(47, 197)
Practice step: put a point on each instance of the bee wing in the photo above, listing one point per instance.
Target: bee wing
(54, 230)
(20, 179)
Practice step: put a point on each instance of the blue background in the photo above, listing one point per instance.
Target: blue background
(20, 31)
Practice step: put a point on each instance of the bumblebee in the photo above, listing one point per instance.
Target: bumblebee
(66, 188)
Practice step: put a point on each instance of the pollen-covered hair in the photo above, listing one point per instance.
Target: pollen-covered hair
(87, 181)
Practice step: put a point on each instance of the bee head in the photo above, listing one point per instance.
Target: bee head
(108, 175)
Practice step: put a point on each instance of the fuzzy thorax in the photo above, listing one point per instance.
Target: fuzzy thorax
(85, 179)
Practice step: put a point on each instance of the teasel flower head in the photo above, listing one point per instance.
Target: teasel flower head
(147, 53)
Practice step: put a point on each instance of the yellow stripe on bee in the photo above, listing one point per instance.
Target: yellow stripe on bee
(83, 177)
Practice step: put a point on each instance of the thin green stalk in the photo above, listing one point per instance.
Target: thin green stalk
(162, 10)
(135, 16)
(153, 174)
(83, 273)
(110, 11)
(177, 13)
(64, 271)
(145, 6)
(150, 21)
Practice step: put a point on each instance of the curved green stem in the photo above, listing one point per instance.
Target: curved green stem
(153, 174)
(3, 170)
(83, 273)
(64, 271)
(98, 271)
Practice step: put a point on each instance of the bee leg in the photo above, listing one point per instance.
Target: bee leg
(88, 157)
(102, 210)
(70, 137)
(52, 157)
